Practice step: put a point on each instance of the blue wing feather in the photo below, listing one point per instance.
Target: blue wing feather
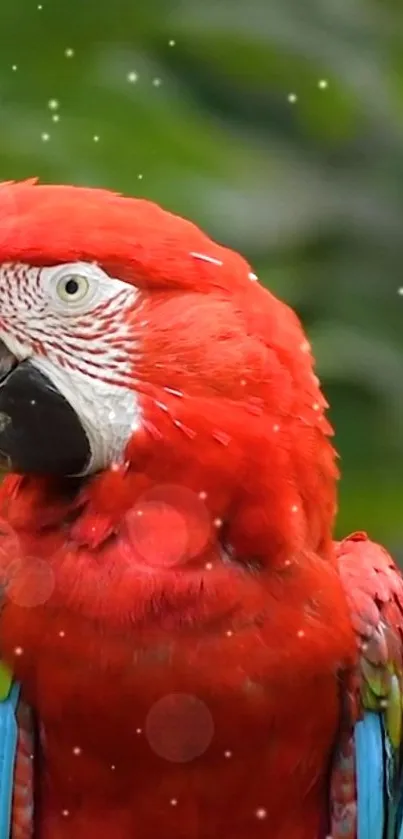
(8, 751)
(370, 776)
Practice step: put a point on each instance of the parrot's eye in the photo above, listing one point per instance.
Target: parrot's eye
(72, 288)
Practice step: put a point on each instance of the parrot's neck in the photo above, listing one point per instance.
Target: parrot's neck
(201, 702)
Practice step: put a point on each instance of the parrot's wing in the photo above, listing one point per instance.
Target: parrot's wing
(22, 813)
(16, 761)
(369, 765)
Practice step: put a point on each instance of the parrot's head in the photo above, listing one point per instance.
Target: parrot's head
(131, 343)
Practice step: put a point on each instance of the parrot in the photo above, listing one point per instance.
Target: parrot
(187, 651)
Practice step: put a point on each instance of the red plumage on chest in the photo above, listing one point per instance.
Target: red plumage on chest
(162, 709)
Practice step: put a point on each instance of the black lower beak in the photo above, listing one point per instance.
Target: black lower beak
(39, 430)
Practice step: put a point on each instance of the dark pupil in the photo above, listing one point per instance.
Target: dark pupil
(71, 286)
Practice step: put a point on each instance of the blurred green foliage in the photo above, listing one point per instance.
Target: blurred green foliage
(278, 127)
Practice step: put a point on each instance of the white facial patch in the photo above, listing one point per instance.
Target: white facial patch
(73, 323)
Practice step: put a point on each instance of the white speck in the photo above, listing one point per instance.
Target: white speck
(217, 522)
(144, 323)
(292, 98)
(208, 566)
(399, 291)
(261, 813)
(115, 467)
(242, 382)
(383, 703)
(323, 84)
(15, 67)
(139, 177)
(305, 346)
(65, 813)
(157, 82)
(32, 402)
(287, 562)
(276, 428)
(18, 650)
(206, 258)
(300, 633)
(202, 495)
(227, 753)
(252, 276)
(173, 391)
(174, 802)
(161, 405)
(229, 633)
(96, 138)
(39, 8)
(132, 77)
(172, 42)
(294, 508)
(69, 52)
(316, 406)
(138, 730)
(76, 750)
(53, 104)
(62, 633)
(55, 117)
(45, 137)
(113, 766)
(139, 512)
(112, 415)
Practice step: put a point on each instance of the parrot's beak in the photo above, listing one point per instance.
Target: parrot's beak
(39, 430)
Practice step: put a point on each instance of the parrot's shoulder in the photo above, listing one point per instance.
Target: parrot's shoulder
(367, 784)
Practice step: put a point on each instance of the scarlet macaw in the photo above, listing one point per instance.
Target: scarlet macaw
(197, 658)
